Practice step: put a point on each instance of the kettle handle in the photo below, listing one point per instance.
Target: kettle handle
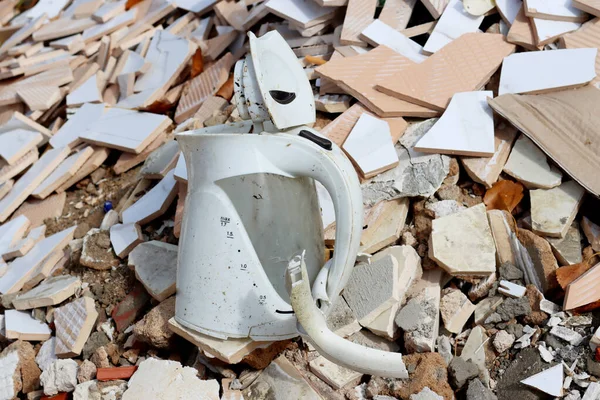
(309, 154)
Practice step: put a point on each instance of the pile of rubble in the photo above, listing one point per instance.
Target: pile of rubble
(477, 258)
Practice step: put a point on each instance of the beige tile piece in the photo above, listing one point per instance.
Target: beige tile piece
(553, 210)
(359, 15)
(18, 142)
(108, 129)
(90, 90)
(66, 170)
(592, 233)
(211, 106)
(53, 77)
(97, 31)
(583, 290)
(129, 160)
(435, 7)
(327, 85)
(20, 121)
(462, 243)
(465, 64)
(40, 97)
(303, 13)
(23, 33)
(43, 270)
(359, 75)
(62, 27)
(486, 170)
(74, 323)
(21, 325)
(555, 10)
(588, 36)
(30, 180)
(589, 6)
(38, 210)
(109, 11)
(502, 226)
(154, 203)
(396, 13)
(202, 87)
(522, 33)
(12, 231)
(528, 164)
(5, 187)
(230, 351)
(334, 375)
(8, 171)
(387, 221)
(216, 46)
(124, 238)
(21, 269)
(235, 13)
(22, 247)
(50, 292)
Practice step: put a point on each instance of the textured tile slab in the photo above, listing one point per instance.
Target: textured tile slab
(555, 10)
(528, 164)
(466, 127)
(30, 180)
(486, 170)
(21, 269)
(464, 64)
(359, 15)
(50, 292)
(454, 22)
(359, 78)
(154, 203)
(564, 125)
(16, 143)
(124, 238)
(378, 33)
(396, 13)
(66, 170)
(202, 87)
(155, 265)
(22, 326)
(40, 98)
(536, 72)
(462, 243)
(370, 146)
(553, 210)
(305, 13)
(546, 31)
(74, 323)
(108, 129)
(583, 290)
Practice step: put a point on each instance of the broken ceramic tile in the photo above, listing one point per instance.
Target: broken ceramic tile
(592, 233)
(155, 265)
(334, 375)
(455, 309)
(553, 210)
(568, 250)
(21, 325)
(528, 164)
(154, 203)
(511, 289)
(379, 33)
(50, 292)
(453, 251)
(454, 22)
(124, 238)
(74, 323)
(549, 381)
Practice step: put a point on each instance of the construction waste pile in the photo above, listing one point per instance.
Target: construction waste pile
(473, 127)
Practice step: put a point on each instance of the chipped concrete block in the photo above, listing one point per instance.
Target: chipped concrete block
(372, 288)
(455, 309)
(21, 325)
(568, 250)
(334, 375)
(87, 372)
(462, 243)
(46, 356)
(503, 341)
(60, 376)
(444, 348)
(553, 211)
(74, 323)
(154, 327)
(409, 267)
(417, 174)
(155, 267)
(97, 252)
(167, 380)
(567, 335)
(124, 238)
(52, 291)
(592, 233)
(281, 380)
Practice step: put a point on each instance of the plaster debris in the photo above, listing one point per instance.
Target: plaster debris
(503, 341)
(155, 266)
(567, 335)
(60, 376)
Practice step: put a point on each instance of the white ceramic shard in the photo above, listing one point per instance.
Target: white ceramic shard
(549, 381)
(379, 33)
(454, 22)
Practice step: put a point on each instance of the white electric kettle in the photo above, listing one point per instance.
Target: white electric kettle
(252, 231)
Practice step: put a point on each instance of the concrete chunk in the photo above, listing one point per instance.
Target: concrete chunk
(60, 376)
(456, 309)
(372, 288)
(18, 371)
(167, 380)
(462, 243)
(155, 267)
(334, 375)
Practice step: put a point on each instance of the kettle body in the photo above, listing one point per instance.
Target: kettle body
(251, 207)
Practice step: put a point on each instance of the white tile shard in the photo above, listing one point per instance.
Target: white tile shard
(553, 210)
(540, 71)
(154, 203)
(379, 33)
(50, 292)
(549, 381)
(466, 127)
(21, 325)
(454, 22)
(334, 375)
(529, 165)
(155, 265)
(125, 237)
(511, 289)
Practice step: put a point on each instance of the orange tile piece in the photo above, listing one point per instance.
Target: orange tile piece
(586, 36)
(359, 75)
(359, 15)
(583, 290)
(463, 65)
(521, 32)
(111, 374)
(60, 396)
(396, 13)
